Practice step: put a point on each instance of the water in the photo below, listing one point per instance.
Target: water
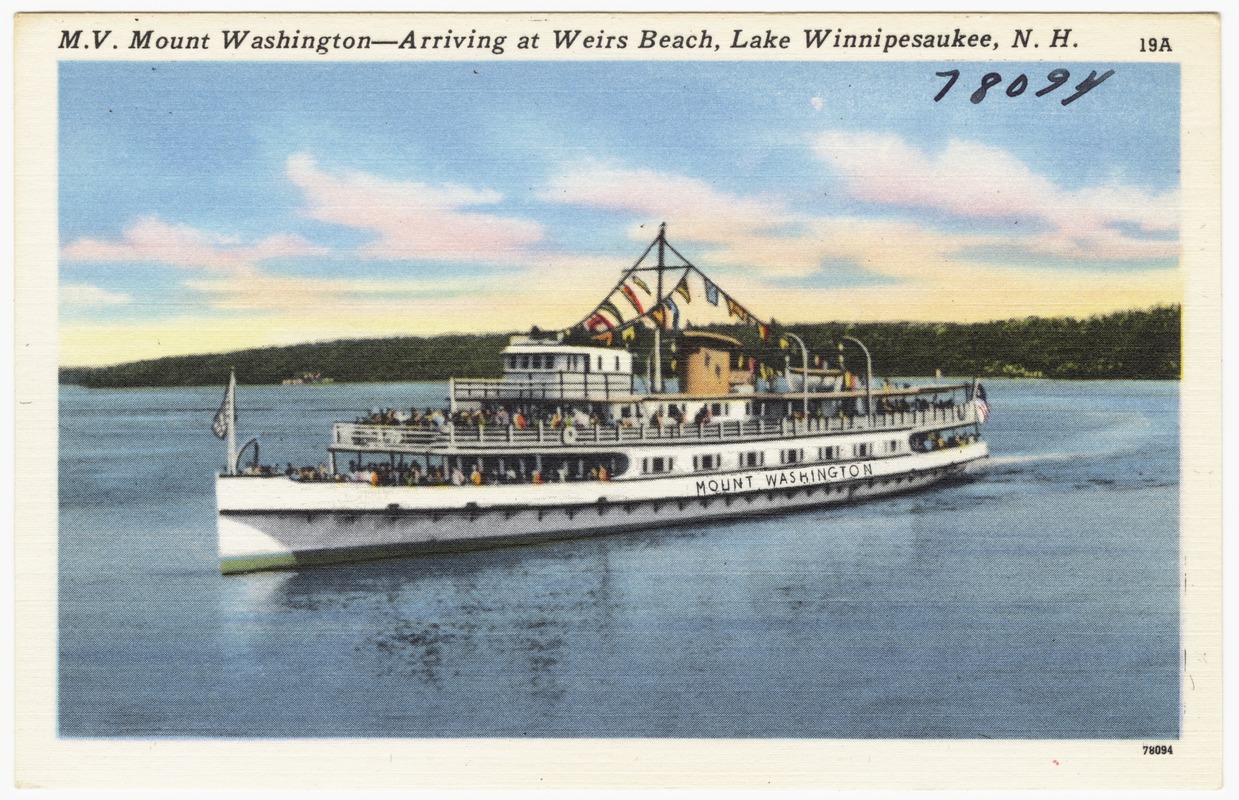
(1038, 601)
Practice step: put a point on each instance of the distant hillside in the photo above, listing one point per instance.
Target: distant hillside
(1128, 344)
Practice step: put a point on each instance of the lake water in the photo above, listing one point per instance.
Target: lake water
(1039, 600)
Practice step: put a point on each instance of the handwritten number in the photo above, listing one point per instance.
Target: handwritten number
(990, 80)
(953, 74)
(1085, 86)
(1056, 78)
(1017, 86)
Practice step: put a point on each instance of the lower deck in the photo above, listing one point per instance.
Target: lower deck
(277, 523)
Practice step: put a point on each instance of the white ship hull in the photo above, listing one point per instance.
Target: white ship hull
(278, 523)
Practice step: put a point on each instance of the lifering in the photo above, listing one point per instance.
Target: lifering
(568, 435)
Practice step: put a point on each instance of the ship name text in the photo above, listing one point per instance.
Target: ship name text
(802, 476)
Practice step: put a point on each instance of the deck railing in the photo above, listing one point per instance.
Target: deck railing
(396, 438)
(554, 386)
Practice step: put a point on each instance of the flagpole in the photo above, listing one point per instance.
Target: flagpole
(868, 377)
(804, 354)
(232, 421)
(658, 357)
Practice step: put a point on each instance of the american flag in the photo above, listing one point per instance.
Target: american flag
(978, 397)
(223, 417)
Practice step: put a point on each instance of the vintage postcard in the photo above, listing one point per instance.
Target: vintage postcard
(618, 400)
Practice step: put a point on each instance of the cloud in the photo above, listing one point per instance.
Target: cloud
(771, 254)
(150, 240)
(751, 231)
(756, 233)
(89, 296)
(413, 220)
(979, 181)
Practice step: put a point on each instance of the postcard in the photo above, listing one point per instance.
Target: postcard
(582, 400)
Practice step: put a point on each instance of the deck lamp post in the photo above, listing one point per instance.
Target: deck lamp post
(868, 376)
(804, 386)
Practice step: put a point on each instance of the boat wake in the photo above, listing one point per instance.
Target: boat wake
(1037, 458)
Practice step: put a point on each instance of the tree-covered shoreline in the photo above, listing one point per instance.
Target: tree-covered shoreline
(1143, 344)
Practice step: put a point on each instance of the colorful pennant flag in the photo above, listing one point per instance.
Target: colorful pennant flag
(608, 307)
(659, 315)
(682, 290)
(597, 323)
(632, 297)
(675, 312)
(734, 310)
(629, 334)
(711, 293)
(645, 287)
(763, 330)
(605, 338)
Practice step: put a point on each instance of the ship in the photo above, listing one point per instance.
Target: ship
(575, 440)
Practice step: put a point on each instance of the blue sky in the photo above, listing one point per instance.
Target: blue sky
(208, 206)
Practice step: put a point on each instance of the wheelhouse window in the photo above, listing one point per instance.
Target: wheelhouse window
(862, 450)
(753, 458)
(827, 453)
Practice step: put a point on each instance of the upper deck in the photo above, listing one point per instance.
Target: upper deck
(511, 437)
(539, 369)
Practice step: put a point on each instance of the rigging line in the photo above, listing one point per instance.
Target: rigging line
(726, 295)
(687, 263)
(618, 284)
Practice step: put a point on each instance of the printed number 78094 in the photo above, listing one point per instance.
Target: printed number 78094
(1158, 750)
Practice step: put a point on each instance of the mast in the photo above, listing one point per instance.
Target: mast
(232, 421)
(658, 357)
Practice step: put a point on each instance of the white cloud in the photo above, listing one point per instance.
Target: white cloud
(149, 240)
(979, 181)
(413, 220)
(91, 296)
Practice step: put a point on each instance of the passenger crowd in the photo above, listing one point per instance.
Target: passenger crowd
(935, 441)
(525, 418)
(384, 474)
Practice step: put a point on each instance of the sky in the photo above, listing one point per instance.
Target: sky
(207, 207)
